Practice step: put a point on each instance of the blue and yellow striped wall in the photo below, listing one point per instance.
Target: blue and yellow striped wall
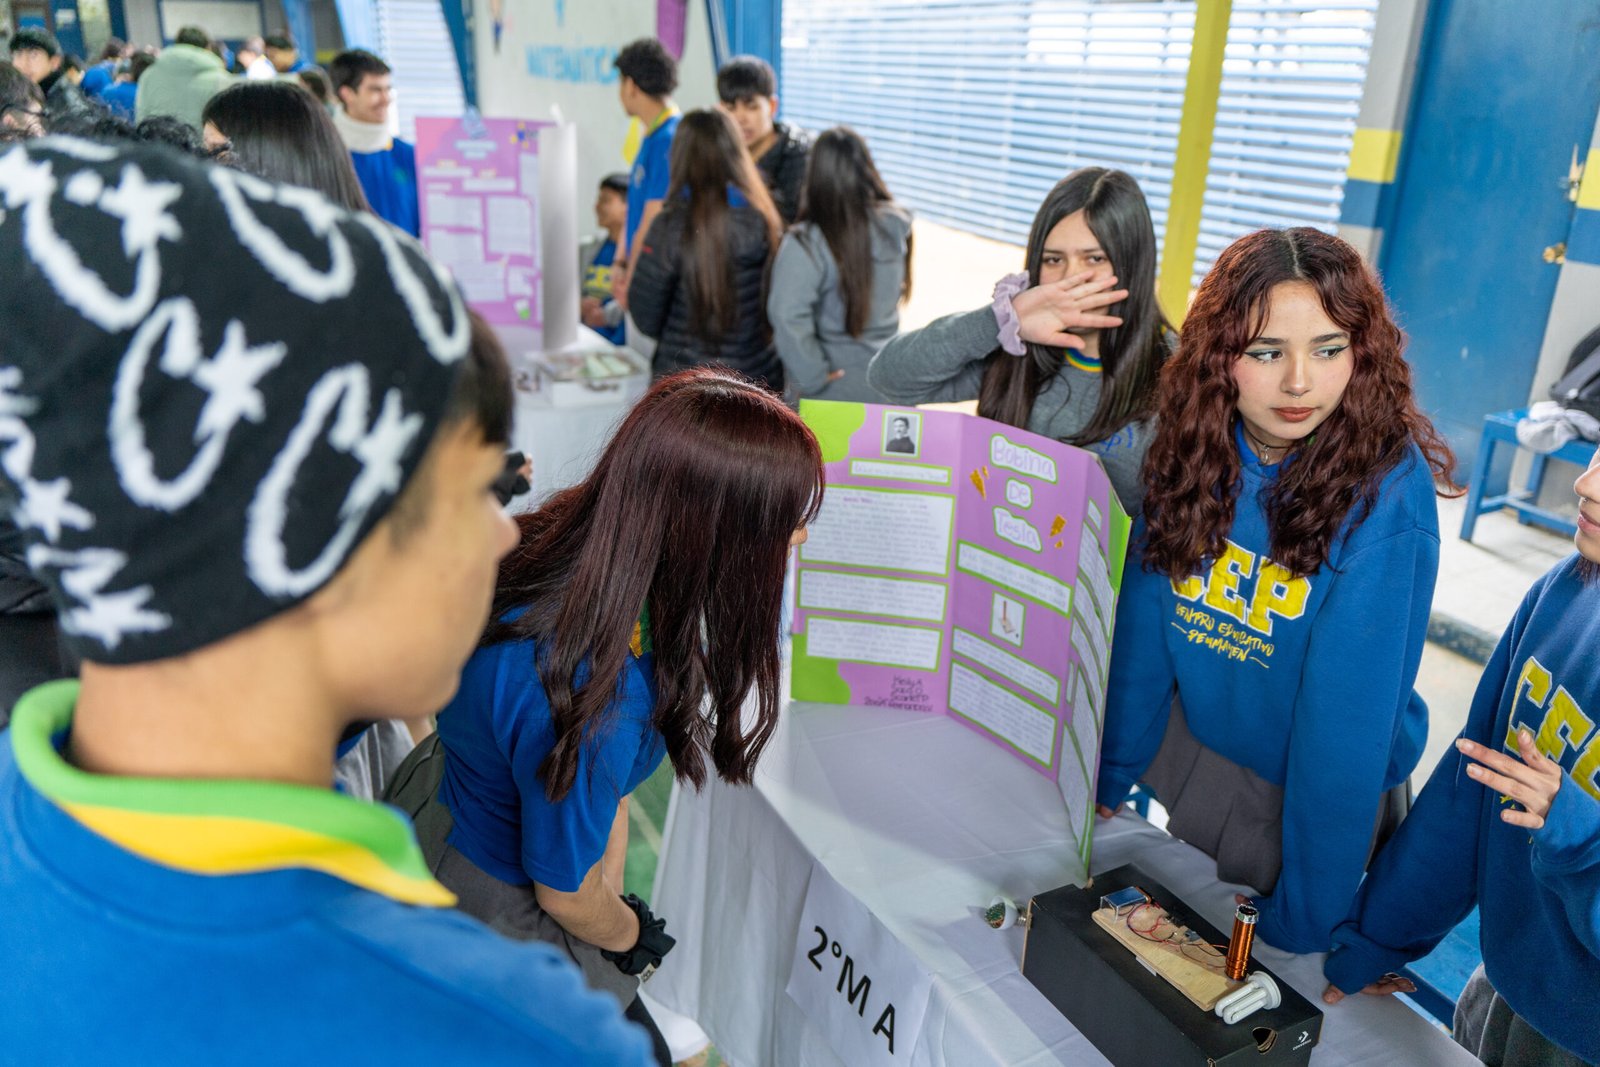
(1583, 241)
(1369, 189)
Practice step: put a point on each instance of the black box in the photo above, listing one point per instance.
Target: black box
(1133, 1015)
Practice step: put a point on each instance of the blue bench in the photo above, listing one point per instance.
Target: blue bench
(1501, 426)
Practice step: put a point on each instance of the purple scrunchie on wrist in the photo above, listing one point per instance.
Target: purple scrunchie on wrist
(1005, 316)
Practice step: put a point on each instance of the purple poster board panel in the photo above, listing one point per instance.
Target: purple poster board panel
(479, 196)
(959, 566)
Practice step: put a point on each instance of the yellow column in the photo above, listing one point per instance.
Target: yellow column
(1200, 92)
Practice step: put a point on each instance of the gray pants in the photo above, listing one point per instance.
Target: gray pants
(1486, 1026)
(1231, 813)
(509, 909)
(365, 770)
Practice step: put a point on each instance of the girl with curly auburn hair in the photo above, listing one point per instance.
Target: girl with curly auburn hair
(1266, 650)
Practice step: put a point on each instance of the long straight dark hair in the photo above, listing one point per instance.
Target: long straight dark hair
(708, 159)
(280, 132)
(1114, 207)
(842, 194)
(689, 512)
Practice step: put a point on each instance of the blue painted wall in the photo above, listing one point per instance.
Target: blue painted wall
(1501, 101)
(456, 17)
(755, 27)
(297, 13)
(64, 13)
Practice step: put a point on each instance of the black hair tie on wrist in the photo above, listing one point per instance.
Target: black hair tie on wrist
(653, 944)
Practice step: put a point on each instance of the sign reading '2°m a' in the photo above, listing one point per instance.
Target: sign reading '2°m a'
(963, 567)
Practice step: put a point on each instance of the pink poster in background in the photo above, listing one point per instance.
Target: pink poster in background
(479, 194)
(672, 23)
(963, 567)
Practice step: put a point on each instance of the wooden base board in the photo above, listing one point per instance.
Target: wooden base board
(1204, 983)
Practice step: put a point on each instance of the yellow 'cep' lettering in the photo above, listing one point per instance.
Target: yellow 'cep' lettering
(1535, 679)
(1222, 591)
(1563, 726)
(1277, 593)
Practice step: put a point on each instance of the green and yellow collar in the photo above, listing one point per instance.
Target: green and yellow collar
(660, 120)
(639, 643)
(223, 827)
(1082, 362)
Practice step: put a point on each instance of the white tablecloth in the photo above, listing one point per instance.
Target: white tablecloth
(923, 822)
(564, 442)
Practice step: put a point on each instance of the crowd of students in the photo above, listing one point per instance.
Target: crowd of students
(252, 444)
(164, 93)
(741, 243)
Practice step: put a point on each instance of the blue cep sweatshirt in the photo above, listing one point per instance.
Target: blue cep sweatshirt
(1538, 893)
(1307, 681)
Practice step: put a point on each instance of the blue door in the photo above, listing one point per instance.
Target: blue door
(1505, 92)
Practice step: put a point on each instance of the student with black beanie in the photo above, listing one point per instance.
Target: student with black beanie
(250, 440)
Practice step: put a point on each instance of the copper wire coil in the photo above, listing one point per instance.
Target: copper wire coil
(1244, 936)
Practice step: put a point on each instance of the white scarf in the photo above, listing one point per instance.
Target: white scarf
(362, 137)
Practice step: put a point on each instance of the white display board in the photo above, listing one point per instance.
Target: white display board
(224, 20)
(558, 54)
(561, 220)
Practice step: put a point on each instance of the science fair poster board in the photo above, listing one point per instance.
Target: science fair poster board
(962, 567)
(498, 202)
(479, 186)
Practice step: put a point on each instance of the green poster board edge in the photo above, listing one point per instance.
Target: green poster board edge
(1121, 526)
(814, 680)
(834, 422)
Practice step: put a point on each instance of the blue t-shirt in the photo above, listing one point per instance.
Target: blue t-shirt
(389, 180)
(1306, 681)
(119, 97)
(495, 734)
(1537, 892)
(650, 176)
(136, 960)
(98, 78)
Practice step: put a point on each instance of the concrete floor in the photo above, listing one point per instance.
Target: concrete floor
(1483, 581)
(953, 271)
(1480, 586)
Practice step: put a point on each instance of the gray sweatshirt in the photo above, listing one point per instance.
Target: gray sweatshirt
(807, 312)
(943, 362)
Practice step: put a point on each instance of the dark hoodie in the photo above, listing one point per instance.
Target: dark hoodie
(783, 166)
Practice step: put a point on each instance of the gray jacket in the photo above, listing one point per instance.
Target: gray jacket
(807, 310)
(944, 361)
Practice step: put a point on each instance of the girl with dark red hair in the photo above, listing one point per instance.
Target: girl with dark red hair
(638, 615)
(1266, 649)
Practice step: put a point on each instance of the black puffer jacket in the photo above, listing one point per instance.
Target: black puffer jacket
(658, 298)
(783, 167)
(20, 592)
